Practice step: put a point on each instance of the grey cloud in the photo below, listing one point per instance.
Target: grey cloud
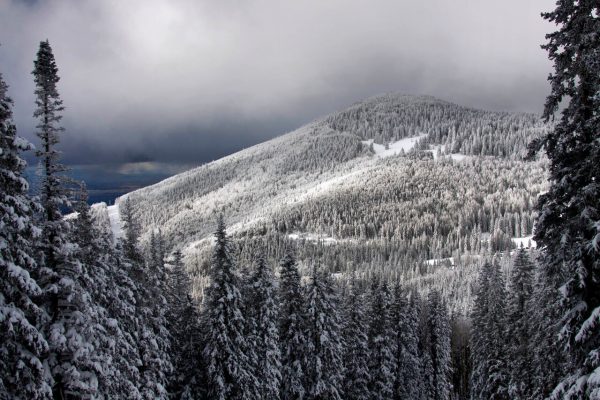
(194, 80)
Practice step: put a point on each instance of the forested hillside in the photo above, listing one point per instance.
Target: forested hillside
(389, 186)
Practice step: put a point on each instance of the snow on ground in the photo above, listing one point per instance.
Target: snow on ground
(394, 148)
(440, 152)
(458, 156)
(115, 221)
(526, 242)
(438, 261)
(313, 237)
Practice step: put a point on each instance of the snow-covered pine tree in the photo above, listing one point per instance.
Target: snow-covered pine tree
(101, 329)
(382, 360)
(568, 225)
(490, 364)
(228, 368)
(184, 325)
(252, 345)
(264, 316)
(461, 356)
(66, 301)
(547, 356)
(439, 326)
(291, 330)
(356, 354)
(519, 330)
(406, 322)
(155, 262)
(479, 335)
(132, 231)
(22, 345)
(154, 338)
(123, 306)
(324, 372)
(427, 384)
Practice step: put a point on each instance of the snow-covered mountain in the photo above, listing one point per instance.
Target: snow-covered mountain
(385, 185)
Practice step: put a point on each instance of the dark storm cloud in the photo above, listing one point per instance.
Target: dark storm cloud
(193, 80)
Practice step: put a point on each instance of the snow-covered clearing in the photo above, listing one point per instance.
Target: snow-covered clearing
(440, 261)
(395, 148)
(526, 242)
(313, 237)
(440, 152)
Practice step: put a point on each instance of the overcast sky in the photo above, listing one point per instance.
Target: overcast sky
(193, 80)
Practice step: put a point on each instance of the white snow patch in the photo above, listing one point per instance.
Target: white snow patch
(313, 237)
(71, 216)
(439, 151)
(439, 261)
(458, 156)
(115, 221)
(394, 148)
(526, 242)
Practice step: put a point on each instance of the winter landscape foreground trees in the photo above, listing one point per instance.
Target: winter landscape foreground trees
(83, 316)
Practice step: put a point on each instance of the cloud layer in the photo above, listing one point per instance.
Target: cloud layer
(193, 80)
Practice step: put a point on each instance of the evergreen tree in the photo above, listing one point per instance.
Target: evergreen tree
(228, 367)
(518, 326)
(264, 315)
(480, 335)
(490, 369)
(113, 294)
(66, 301)
(356, 355)
(547, 356)
(132, 231)
(101, 329)
(292, 330)
(382, 350)
(427, 386)
(324, 340)
(567, 228)
(154, 338)
(461, 356)
(406, 321)
(439, 326)
(22, 345)
(184, 324)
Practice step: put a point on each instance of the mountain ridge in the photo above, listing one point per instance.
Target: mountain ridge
(461, 177)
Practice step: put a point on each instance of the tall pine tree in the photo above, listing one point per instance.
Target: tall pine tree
(184, 325)
(22, 345)
(519, 329)
(292, 330)
(228, 367)
(66, 301)
(356, 355)
(479, 335)
(324, 340)
(568, 226)
(405, 320)
(490, 364)
(382, 362)
(439, 326)
(264, 314)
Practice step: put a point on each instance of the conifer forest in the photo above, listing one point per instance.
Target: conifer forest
(404, 247)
